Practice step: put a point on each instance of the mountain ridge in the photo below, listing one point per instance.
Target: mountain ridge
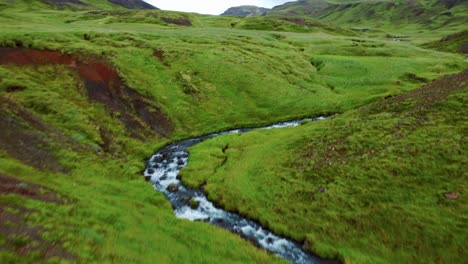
(78, 4)
(421, 12)
(245, 11)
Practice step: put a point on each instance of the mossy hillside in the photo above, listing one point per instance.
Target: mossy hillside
(457, 43)
(111, 216)
(425, 14)
(399, 14)
(419, 21)
(198, 81)
(108, 213)
(384, 183)
(36, 5)
(205, 79)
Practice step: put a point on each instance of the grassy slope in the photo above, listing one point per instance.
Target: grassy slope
(259, 77)
(416, 20)
(35, 5)
(457, 43)
(368, 186)
(274, 66)
(109, 214)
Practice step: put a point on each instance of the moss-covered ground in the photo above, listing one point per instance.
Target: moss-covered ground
(385, 183)
(84, 137)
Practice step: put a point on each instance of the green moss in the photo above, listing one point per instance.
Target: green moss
(194, 203)
(209, 77)
(367, 186)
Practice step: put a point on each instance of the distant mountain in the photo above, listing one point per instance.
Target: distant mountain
(77, 4)
(311, 8)
(430, 13)
(133, 4)
(245, 11)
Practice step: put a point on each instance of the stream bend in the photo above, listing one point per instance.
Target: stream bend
(162, 170)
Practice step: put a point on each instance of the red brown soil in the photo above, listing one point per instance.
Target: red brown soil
(23, 239)
(177, 21)
(463, 48)
(137, 113)
(141, 116)
(29, 190)
(24, 57)
(433, 92)
(25, 137)
(159, 54)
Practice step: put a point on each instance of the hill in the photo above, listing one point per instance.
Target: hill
(245, 11)
(75, 4)
(133, 4)
(457, 42)
(88, 95)
(394, 169)
(377, 14)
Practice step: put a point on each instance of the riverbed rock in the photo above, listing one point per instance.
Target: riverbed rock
(237, 231)
(306, 245)
(194, 204)
(269, 240)
(172, 187)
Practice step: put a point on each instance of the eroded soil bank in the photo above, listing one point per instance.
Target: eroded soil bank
(140, 115)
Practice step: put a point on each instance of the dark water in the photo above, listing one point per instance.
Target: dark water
(162, 171)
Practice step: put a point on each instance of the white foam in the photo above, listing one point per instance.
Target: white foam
(166, 183)
(208, 207)
(234, 131)
(248, 230)
(157, 175)
(186, 212)
(285, 124)
(165, 173)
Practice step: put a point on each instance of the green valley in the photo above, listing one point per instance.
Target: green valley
(90, 89)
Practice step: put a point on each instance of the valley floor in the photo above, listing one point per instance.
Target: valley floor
(87, 96)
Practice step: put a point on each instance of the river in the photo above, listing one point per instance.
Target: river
(192, 204)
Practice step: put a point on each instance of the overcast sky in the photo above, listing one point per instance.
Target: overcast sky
(214, 7)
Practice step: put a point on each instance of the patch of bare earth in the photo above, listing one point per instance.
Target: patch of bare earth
(141, 116)
(22, 137)
(21, 237)
(429, 94)
(177, 21)
(159, 54)
(29, 190)
(299, 22)
(63, 3)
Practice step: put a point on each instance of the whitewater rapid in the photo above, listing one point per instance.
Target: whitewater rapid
(163, 169)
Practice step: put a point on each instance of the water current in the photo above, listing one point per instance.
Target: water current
(192, 204)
